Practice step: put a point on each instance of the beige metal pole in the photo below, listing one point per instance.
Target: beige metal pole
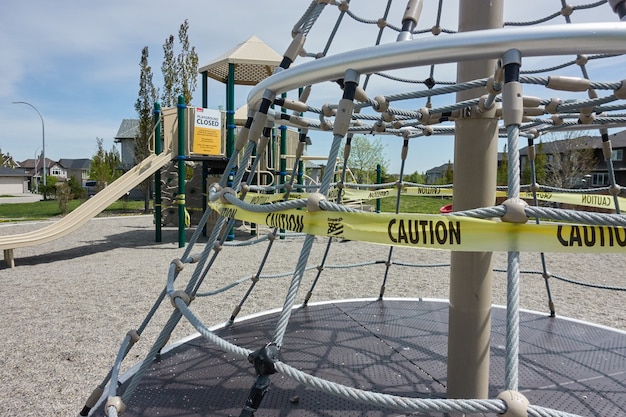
(475, 165)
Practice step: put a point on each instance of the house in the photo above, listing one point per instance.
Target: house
(77, 169)
(599, 172)
(126, 134)
(437, 174)
(33, 169)
(598, 175)
(13, 180)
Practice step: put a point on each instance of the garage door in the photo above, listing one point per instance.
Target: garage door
(11, 185)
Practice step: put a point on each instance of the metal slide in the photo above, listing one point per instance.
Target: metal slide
(87, 210)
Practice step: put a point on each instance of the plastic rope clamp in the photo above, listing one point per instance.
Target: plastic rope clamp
(214, 190)
(516, 404)
(225, 191)
(182, 295)
(515, 211)
(134, 336)
(313, 202)
(179, 264)
(115, 402)
(383, 104)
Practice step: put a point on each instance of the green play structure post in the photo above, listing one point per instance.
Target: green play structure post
(180, 197)
(230, 122)
(205, 164)
(158, 148)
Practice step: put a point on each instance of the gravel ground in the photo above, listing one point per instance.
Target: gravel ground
(68, 304)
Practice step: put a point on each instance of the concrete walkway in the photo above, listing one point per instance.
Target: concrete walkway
(21, 198)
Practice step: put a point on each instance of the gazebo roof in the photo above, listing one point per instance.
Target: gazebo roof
(253, 59)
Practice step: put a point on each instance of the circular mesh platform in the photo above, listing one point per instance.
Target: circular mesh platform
(391, 346)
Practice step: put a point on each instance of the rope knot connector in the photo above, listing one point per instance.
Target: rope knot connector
(214, 191)
(313, 202)
(515, 211)
(115, 402)
(516, 404)
(134, 336)
(182, 295)
(179, 264)
(223, 193)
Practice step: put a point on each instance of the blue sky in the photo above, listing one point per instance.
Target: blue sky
(78, 62)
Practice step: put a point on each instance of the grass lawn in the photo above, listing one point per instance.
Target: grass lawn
(412, 204)
(40, 210)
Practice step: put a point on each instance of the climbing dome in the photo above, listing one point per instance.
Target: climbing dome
(389, 357)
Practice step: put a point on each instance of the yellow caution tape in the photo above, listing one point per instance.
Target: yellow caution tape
(432, 231)
(187, 218)
(348, 194)
(588, 200)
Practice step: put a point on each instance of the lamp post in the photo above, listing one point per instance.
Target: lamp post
(35, 176)
(43, 138)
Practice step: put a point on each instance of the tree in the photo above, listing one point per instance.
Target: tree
(76, 188)
(64, 195)
(168, 68)
(569, 160)
(144, 107)
(50, 189)
(364, 156)
(448, 177)
(416, 178)
(540, 166)
(180, 74)
(104, 165)
(187, 64)
(6, 160)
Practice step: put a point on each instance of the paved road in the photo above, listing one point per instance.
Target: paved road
(21, 198)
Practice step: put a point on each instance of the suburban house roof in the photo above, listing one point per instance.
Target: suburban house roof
(77, 164)
(129, 128)
(440, 168)
(30, 163)
(12, 172)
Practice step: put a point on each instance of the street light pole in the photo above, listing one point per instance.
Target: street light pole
(43, 138)
(36, 163)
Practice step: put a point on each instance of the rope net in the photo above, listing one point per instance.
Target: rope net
(403, 88)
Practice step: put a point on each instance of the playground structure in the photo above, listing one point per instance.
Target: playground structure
(490, 60)
(209, 168)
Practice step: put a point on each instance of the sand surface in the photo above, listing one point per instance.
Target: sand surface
(68, 304)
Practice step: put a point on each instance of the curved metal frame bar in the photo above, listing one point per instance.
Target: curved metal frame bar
(587, 38)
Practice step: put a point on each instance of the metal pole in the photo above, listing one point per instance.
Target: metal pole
(180, 197)
(379, 180)
(475, 165)
(43, 138)
(230, 111)
(158, 148)
(35, 176)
